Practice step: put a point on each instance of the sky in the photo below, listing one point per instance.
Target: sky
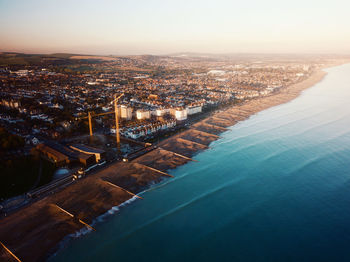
(121, 27)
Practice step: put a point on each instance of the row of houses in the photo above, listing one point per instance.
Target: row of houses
(10, 103)
(144, 130)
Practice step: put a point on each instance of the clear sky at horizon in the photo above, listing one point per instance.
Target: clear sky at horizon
(161, 26)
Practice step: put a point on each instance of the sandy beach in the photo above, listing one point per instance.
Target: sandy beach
(34, 232)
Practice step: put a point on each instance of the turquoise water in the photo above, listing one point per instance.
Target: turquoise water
(276, 187)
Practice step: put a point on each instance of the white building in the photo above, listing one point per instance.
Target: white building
(179, 113)
(22, 72)
(161, 111)
(10, 103)
(143, 114)
(191, 110)
(126, 112)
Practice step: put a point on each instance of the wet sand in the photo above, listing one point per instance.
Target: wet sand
(35, 231)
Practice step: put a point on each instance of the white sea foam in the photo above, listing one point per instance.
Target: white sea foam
(112, 211)
(128, 201)
(81, 232)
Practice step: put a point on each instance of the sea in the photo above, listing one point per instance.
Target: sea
(275, 187)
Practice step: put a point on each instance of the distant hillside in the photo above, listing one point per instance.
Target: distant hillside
(62, 55)
(90, 57)
(7, 59)
(19, 59)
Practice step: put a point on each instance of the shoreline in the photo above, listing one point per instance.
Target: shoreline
(95, 197)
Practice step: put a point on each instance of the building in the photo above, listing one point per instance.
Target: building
(126, 112)
(161, 111)
(191, 110)
(53, 155)
(143, 114)
(179, 113)
(153, 96)
(10, 103)
(98, 153)
(22, 72)
(62, 155)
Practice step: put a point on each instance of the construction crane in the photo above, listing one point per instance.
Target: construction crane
(115, 112)
(116, 118)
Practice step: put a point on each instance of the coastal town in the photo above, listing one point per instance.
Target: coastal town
(59, 110)
(92, 132)
(174, 131)
(158, 92)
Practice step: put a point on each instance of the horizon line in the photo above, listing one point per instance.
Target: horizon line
(183, 53)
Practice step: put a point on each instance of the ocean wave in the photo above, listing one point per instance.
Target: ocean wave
(165, 182)
(317, 127)
(256, 119)
(112, 211)
(184, 205)
(276, 127)
(83, 231)
(238, 139)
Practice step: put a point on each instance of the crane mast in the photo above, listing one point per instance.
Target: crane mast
(116, 114)
(116, 119)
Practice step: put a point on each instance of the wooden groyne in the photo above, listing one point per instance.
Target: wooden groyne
(194, 142)
(176, 154)
(156, 170)
(111, 184)
(10, 252)
(71, 215)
